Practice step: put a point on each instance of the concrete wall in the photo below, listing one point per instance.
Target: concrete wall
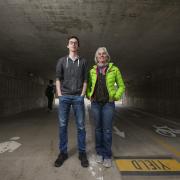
(157, 91)
(19, 90)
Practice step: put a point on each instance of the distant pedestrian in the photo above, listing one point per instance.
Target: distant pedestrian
(50, 91)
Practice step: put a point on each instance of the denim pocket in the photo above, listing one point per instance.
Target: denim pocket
(61, 97)
(81, 98)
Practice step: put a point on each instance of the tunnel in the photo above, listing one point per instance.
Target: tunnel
(142, 39)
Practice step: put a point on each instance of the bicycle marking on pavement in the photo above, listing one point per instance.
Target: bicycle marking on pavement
(148, 166)
(166, 131)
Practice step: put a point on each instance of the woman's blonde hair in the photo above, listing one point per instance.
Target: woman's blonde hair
(105, 50)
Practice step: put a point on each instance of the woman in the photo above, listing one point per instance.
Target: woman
(102, 92)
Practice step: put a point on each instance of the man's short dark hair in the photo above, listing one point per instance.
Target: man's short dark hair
(74, 37)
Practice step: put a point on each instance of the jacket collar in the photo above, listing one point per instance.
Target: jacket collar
(109, 66)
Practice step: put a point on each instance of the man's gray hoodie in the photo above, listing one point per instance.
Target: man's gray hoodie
(72, 75)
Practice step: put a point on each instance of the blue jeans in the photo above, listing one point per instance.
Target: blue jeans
(103, 117)
(77, 103)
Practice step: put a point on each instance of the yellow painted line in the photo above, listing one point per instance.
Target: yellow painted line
(148, 165)
(168, 147)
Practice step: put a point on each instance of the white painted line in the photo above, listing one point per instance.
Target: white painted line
(93, 173)
(100, 178)
(14, 138)
(118, 132)
(135, 115)
(95, 169)
(152, 115)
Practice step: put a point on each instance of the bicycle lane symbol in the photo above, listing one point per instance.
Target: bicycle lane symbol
(166, 131)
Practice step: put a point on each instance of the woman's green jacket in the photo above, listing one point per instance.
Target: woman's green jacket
(114, 82)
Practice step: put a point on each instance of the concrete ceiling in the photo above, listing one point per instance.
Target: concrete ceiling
(139, 34)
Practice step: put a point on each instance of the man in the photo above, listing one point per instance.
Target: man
(71, 83)
(50, 91)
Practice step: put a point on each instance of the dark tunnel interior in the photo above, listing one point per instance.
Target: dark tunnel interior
(142, 37)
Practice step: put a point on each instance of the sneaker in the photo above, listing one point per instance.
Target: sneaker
(107, 163)
(83, 159)
(60, 160)
(99, 159)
